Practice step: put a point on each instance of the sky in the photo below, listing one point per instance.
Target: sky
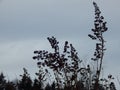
(26, 24)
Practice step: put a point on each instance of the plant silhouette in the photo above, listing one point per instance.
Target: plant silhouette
(66, 65)
(25, 83)
(98, 30)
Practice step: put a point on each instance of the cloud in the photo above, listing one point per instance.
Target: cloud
(1, 1)
(16, 55)
(25, 24)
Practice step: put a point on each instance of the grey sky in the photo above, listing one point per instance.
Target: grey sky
(25, 25)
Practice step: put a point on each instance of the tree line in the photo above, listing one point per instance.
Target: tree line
(68, 71)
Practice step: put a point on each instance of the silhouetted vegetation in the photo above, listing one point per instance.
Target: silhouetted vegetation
(66, 65)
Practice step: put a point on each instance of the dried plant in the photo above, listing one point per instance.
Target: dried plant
(65, 65)
(99, 29)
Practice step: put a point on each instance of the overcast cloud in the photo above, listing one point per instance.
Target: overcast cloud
(25, 25)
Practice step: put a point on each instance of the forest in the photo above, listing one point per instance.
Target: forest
(66, 66)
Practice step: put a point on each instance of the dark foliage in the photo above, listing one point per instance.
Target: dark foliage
(25, 83)
(66, 65)
(99, 29)
(2, 81)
